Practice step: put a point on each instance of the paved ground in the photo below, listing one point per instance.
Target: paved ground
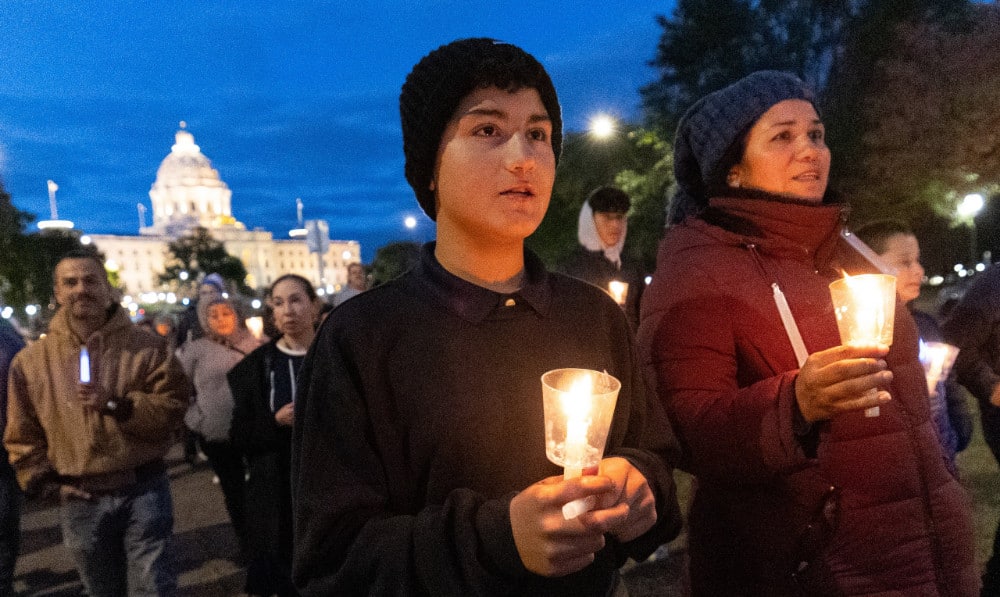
(206, 547)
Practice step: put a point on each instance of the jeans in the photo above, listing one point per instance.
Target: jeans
(10, 530)
(120, 542)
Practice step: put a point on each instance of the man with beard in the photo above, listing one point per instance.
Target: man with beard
(93, 408)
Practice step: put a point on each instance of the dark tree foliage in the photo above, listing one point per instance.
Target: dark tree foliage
(832, 44)
(707, 44)
(45, 249)
(199, 254)
(934, 132)
(13, 266)
(393, 260)
(872, 34)
(28, 260)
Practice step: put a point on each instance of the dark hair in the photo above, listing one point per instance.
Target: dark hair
(609, 199)
(876, 234)
(82, 254)
(442, 79)
(306, 285)
(89, 254)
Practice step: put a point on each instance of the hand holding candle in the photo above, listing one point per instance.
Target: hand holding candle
(865, 307)
(579, 405)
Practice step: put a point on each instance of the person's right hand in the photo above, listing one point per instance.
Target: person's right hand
(838, 380)
(550, 545)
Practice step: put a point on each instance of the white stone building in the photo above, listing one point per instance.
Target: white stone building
(188, 193)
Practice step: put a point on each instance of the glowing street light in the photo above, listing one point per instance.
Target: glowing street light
(602, 126)
(968, 209)
(410, 222)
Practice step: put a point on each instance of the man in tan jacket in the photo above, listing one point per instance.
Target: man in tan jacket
(92, 409)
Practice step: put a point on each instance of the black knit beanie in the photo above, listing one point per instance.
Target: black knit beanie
(439, 82)
(711, 128)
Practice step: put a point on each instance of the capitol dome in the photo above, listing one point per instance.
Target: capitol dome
(188, 192)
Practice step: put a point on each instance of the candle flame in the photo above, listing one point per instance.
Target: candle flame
(618, 291)
(576, 402)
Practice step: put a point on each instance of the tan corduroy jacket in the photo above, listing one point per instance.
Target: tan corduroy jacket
(48, 431)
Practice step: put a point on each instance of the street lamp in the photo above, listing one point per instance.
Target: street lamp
(602, 126)
(968, 209)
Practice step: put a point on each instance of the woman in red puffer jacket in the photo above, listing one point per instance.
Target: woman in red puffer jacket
(799, 492)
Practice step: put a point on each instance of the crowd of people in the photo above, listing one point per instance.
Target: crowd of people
(399, 448)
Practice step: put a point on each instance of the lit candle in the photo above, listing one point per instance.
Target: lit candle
(577, 420)
(256, 326)
(84, 365)
(865, 306)
(618, 291)
(937, 359)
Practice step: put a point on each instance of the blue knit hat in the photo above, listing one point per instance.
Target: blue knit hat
(215, 280)
(442, 79)
(712, 127)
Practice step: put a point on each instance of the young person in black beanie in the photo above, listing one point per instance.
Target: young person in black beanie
(419, 462)
(799, 490)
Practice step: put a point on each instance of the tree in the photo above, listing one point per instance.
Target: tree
(29, 259)
(196, 254)
(935, 120)
(393, 260)
(13, 267)
(649, 189)
(872, 34)
(708, 44)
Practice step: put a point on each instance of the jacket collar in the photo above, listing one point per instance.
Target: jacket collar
(776, 225)
(474, 303)
(117, 318)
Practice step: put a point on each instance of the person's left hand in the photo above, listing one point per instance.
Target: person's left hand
(285, 415)
(632, 490)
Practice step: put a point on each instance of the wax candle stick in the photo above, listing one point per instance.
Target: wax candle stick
(579, 405)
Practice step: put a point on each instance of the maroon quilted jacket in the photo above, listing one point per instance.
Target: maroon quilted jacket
(850, 506)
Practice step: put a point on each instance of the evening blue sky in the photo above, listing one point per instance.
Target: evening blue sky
(290, 99)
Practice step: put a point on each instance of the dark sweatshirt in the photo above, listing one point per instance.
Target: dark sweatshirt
(420, 416)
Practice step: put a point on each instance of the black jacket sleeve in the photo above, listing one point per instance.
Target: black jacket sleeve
(253, 430)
